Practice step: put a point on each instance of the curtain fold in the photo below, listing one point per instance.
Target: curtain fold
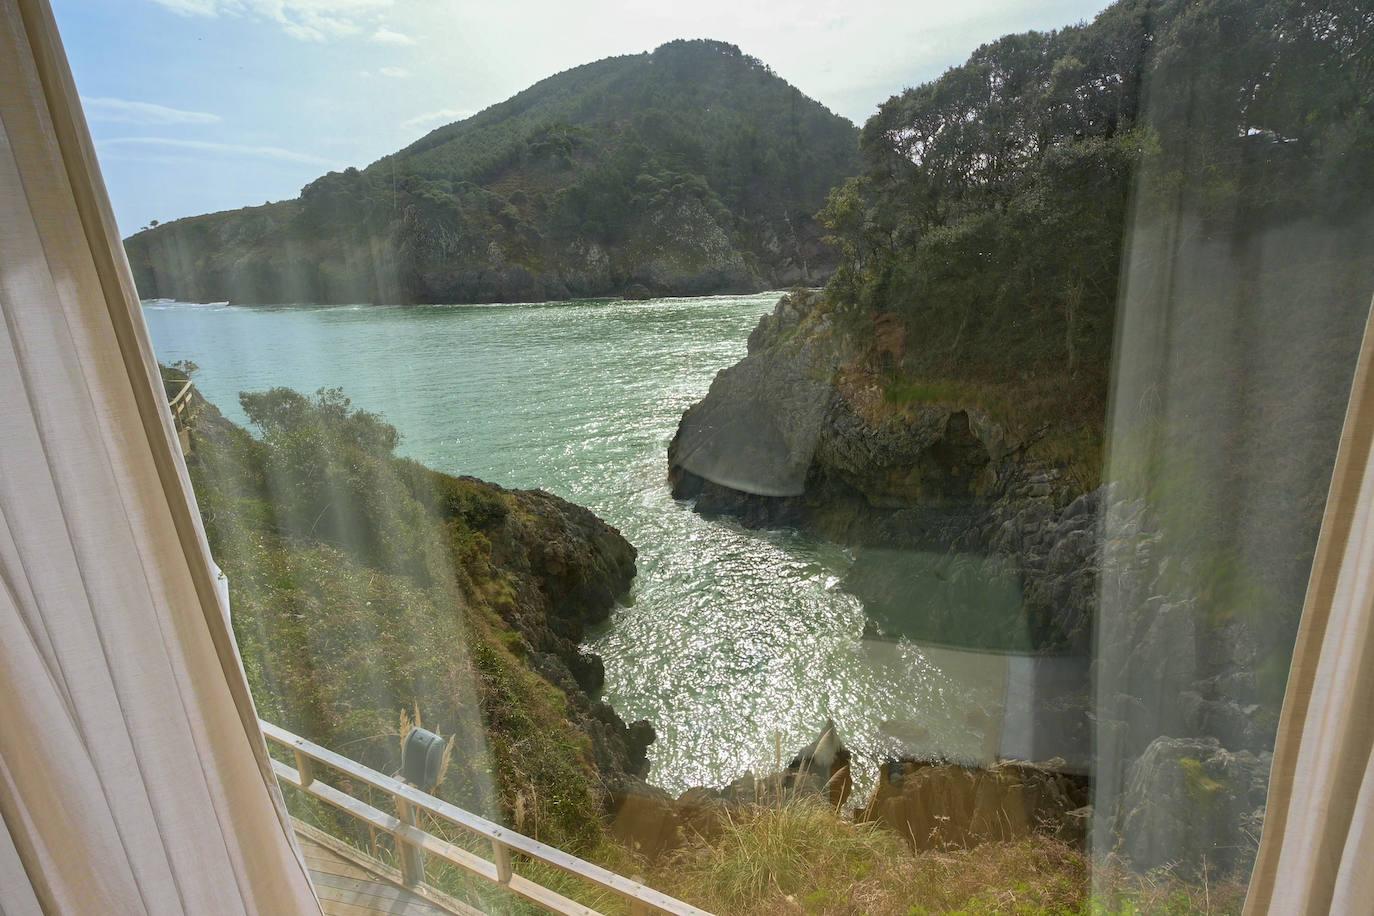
(133, 778)
(1318, 839)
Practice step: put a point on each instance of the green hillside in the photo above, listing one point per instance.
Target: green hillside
(689, 170)
(363, 584)
(990, 217)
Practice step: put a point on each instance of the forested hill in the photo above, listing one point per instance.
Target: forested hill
(693, 169)
(990, 214)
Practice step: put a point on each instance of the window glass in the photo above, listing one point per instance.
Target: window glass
(862, 463)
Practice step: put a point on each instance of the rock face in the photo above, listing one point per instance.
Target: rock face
(822, 768)
(747, 449)
(571, 568)
(1189, 799)
(776, 442)
(757, 436)
(941, 805)
(1185, 732)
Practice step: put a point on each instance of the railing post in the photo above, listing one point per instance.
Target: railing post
(305, 768)
(500, 855)
(412, 859)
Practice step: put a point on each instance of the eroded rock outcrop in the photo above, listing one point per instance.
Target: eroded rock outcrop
(779, 441)
(1191, 800)
(568, 569)
(776, 441)
(931, 804)
(938, 805)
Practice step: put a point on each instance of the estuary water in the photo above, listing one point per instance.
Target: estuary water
(736, 644)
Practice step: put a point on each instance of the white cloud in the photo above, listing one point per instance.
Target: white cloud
(386, 36)
(190, 7)
(306, 20)
(395, 73)
(166, 144)
(443, 115)
(127, 112)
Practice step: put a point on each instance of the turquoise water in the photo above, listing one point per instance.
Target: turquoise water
(735, 643)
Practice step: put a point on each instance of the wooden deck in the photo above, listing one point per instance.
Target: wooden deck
(347, 886)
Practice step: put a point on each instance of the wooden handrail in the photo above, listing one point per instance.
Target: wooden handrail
(417, 843)
(175, 402)
(179, 404)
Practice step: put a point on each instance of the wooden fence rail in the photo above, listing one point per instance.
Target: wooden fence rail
(413, 844)
(179, 400)
(178, 404)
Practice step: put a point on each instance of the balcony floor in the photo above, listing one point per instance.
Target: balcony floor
(347, 887)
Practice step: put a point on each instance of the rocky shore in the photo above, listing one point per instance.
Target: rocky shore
(932, 498)
(778, 442)
(448, 597)
(569, 569)
(931, 804)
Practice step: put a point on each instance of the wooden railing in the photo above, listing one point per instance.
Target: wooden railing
(414, 844)
(179, 400)
(178, 404)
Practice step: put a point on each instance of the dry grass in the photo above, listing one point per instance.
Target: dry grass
(769, 858)
(801, 858)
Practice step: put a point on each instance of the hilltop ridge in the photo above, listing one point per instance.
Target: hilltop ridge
(689, 170)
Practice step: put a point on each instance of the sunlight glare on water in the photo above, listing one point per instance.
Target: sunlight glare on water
(735, 642)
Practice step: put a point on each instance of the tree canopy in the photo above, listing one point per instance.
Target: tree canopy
(991, 210)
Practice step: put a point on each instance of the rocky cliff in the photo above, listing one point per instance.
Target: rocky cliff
(960, 538)
(567, 570)
(362, 584)
(783, 438)
(778, 440)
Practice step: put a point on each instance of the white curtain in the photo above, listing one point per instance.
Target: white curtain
(1317, 851)
(132, 775)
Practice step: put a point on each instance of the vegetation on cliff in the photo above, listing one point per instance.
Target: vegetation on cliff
(362, 584)
(991, 213)
(689, 170)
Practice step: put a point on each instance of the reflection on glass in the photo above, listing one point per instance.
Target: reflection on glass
(989, 551)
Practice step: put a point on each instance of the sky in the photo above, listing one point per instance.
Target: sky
(204, 105)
